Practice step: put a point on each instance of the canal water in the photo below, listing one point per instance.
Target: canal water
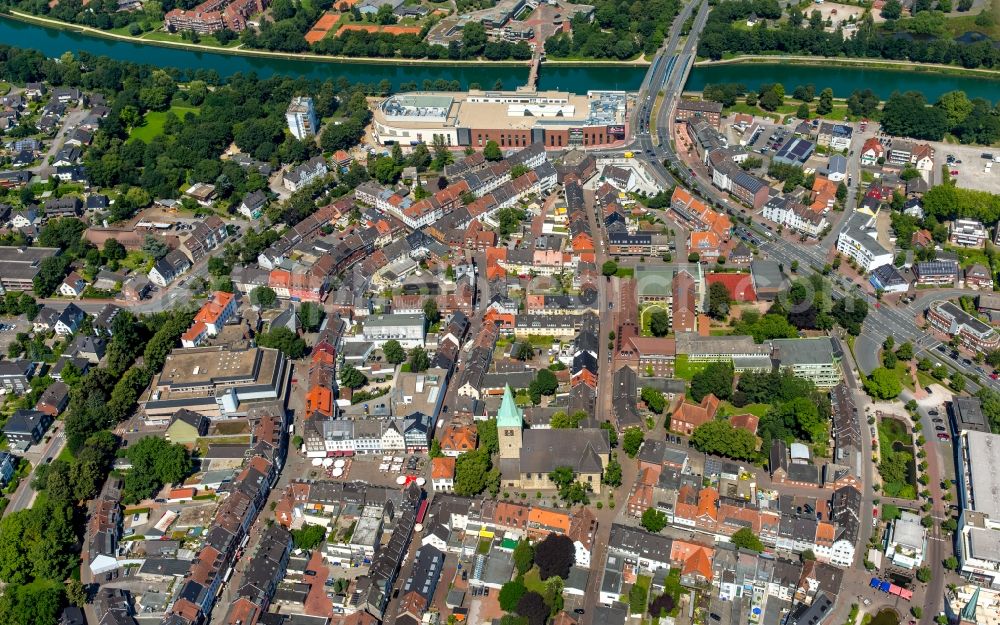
(843, 80)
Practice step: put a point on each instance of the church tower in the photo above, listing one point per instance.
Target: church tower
(510, 423)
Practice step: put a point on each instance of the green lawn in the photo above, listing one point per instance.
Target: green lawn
(758, 410)
(4, 88)
(686, 370)
(155, 120)
(137, 261)
(533, 582)
(903, 374)
(625, 272)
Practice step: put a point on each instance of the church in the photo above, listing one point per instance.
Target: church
(528, 456)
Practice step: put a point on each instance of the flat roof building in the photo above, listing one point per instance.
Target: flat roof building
(967, 415)
(218, 382)
(978, 539)
(555, 119)
(19, 266)
(811, 358)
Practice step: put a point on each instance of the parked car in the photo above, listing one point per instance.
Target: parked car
(943, 437)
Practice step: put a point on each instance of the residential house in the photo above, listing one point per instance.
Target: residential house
(300, 176)
(978, 277)
(169, 268)
(73, 285)
(252, 205)
(15, 375)
(54, 399)
(871, 152)
(687, 417)
(25, 428)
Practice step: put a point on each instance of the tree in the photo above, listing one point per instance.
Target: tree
(653, 520)
(694, 257)
(950, 563)
(716, 378)
(563, 421)
(805, 93)
(154, 247)
(609, 268)
(612, 433)
(76, 593)
(511, 593)
(51, 272)
(771, 97)
(802, 112)
(524, 556)
(882, 384)
(394, 352)
(924, 574)
(419, 360)
(351, 377)
(474, 473)
(532, 605)
(637, 597)
(113, 250)
(613, 472)
(155, 462)
(283, 339)
(720, 437)
(661, 606)
(892, 10)
(632, 441)
(807, 556)
(654, 399)
(659, 322)
(492, 151)
(718, 301)
(263, 296)
(545, 383)
(431, 312)
(34, 604)
(744, 538)
(524, 351)
(308, 537)
(825, 106)
(554, 555)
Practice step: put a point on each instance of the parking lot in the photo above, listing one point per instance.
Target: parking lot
(971, 174)
(9, 327)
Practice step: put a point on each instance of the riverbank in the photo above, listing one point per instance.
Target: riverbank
(286, 56)
(887, 64)
(307, 56)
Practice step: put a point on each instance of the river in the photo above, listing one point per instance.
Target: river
(843, 80)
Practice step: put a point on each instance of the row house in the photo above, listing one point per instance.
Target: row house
(224, 537)
(205, 236)
(746, 187)
(340, 437)
(788, 213)
(580, 304)
(695, 215)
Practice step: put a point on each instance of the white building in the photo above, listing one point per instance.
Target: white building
(301, 117)
(907, 542)
(967, 233)
(978, 532)
(408, 329)
(794, 215)
(857, 241)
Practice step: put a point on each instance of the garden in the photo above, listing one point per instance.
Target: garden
(897, 465)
